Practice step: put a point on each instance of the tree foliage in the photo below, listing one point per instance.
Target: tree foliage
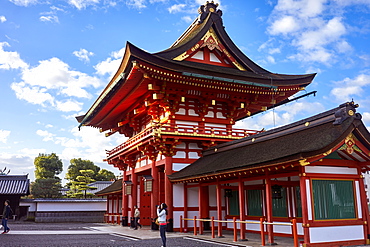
(80, 186)
(46, 188)
(47, 184)
(81, 173)
(47, 166)
(79, 164)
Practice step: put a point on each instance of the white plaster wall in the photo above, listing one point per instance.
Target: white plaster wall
(193, 155)
(178, 166)
(32, 205)
(71, 206)
(194, 146)
(331, 170)
(180, 154)
(193, 200)
(336, 233)
(212, 196)
(178, 195)
(176, 218)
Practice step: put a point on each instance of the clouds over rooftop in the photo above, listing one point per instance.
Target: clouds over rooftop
(317, 29)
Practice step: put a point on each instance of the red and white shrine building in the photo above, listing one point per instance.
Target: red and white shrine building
(178, 108)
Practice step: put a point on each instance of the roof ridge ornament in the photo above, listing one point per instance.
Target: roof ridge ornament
(204, 10)
(345, 111)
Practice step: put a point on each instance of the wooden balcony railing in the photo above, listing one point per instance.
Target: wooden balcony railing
(181, 130)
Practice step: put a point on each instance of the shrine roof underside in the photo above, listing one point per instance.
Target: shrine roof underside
(338, 133)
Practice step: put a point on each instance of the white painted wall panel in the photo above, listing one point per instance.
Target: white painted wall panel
(336, 233)
(358, 198)
(330, 170)
(71, 206)
(178, 195)
(309, 204)
(193, 200)
(178, 166)
(212, 196)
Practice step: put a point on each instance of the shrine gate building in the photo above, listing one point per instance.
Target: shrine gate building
(178, 107)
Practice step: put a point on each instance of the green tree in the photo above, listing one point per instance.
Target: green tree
(105, 175)
(46, 188)
(47, 184)
(47, 166)
(79, 164)
(80, 186)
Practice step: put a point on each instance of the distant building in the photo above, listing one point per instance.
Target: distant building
(12, 187)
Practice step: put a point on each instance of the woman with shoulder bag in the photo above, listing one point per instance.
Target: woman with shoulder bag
(162, 219)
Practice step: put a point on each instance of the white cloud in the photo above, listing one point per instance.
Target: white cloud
(139, 4)
(2, 19)
(68, 105)
(187, 19)
(83, 55)
(271, 59)
(24, 3)
(82, 4)
(284, 25)
(18, 164)
(281, 115)
(328, 33)
(10, 60)
(52, 84)
(176, 8)
(50, 18)
(111, 64)
(33, 95)
(315, 28)
(4, 134)
(55, 74)
(47, 136)
(346, 89)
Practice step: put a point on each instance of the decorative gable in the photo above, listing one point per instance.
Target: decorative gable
(210, 50)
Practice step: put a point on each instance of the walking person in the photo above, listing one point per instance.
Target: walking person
(137, 217)
(7, 212)
(162, 215)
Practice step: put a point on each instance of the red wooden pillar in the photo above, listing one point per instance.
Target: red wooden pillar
(108, 213)
(133, 192)
(154, 200)
(203, 198)
(270, 228)
(168, 187)
(124, 198)
(117, 208)
(185, 207)
(364, 207)
(219, 208)
(242, 208)
(302, 183)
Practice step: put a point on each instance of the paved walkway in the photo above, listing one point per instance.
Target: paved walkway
(254, 240)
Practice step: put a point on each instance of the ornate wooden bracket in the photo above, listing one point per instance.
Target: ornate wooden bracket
(149, 150)
(129, 160)
(167, 147)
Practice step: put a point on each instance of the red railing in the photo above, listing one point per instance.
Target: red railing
(262, 223)
(182, 129)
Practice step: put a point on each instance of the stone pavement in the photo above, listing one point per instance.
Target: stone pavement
(254, 240)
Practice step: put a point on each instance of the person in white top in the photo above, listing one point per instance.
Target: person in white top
(162, 215)
(137, 217)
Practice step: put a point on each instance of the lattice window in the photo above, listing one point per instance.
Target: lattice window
(333, 199)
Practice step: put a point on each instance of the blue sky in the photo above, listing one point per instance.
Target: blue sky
(57, 56)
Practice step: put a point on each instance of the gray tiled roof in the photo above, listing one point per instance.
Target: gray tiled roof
(14, 185)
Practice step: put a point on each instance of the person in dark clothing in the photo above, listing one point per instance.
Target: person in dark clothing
(162, 219)
(7, 212)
